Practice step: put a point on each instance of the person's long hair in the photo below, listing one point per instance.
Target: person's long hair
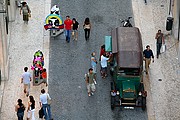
(31, 98)
(87, 21)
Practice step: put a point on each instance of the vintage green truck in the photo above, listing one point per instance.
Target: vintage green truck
(126, 67)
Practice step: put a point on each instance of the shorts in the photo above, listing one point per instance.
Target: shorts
(91, 87)
(74, 32)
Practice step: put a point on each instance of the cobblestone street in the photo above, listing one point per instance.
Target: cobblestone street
(69, 62)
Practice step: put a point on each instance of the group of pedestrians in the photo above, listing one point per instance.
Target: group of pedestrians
(148, 53)
(72, 26)
(90, 77)
(44, 101)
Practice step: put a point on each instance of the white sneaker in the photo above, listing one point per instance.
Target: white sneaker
(92, 93)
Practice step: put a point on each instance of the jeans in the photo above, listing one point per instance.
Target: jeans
(158, 48)
(47, 111)
(20, 116)
(87, 33)
(68, 35)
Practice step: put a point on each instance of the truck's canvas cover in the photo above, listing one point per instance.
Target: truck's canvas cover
(127, 43)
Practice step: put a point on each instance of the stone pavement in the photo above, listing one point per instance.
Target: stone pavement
(163, 102)
(24, 41)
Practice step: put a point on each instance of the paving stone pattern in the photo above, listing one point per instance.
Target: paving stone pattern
(163, 96)
(24, 41)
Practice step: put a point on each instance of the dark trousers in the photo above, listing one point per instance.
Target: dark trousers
(158, 45)
(87, 33)
(20, 116)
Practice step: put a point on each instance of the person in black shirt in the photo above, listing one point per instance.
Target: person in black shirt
(148, 54)
(75, 27)
(20, 108)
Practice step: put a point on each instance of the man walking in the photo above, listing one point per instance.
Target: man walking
(90, 78)
(160, 39)
(68, 24)
(148, 54)
(44, 97)
(26, 78)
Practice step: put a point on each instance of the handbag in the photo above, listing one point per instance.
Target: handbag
(49, 101)
(29, 14)
(163, 48)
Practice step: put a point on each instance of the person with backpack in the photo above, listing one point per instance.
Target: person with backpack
(25, 10)
(90, 78)
(20, 108)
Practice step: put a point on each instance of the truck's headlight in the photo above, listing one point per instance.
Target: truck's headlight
(117, 92)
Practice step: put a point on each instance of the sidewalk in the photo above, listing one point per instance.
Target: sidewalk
(163, 102)
(24, 41)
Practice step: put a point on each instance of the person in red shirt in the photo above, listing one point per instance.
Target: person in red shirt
(68, 23)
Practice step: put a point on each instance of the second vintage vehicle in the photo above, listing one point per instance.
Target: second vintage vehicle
(126, 67)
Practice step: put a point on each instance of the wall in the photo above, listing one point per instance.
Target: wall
(3, 44)
(176, 15)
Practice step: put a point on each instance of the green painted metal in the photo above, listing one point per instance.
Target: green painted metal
(108, 43)
(128, 66)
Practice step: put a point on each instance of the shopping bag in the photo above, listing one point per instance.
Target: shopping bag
(163, 48)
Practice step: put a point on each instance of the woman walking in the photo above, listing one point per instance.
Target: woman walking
(31, 108)
(87, 28)
(75, 27)
(25, 11)
(20, 108)
(93, 62)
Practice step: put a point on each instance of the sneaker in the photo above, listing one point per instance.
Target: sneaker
(92, 93)
(89, 94)
(27, 95)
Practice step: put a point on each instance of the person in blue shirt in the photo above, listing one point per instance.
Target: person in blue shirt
(148, 54)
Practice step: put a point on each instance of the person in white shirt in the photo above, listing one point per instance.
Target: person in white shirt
(104, 61)
(44, 103)
(26, 79)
